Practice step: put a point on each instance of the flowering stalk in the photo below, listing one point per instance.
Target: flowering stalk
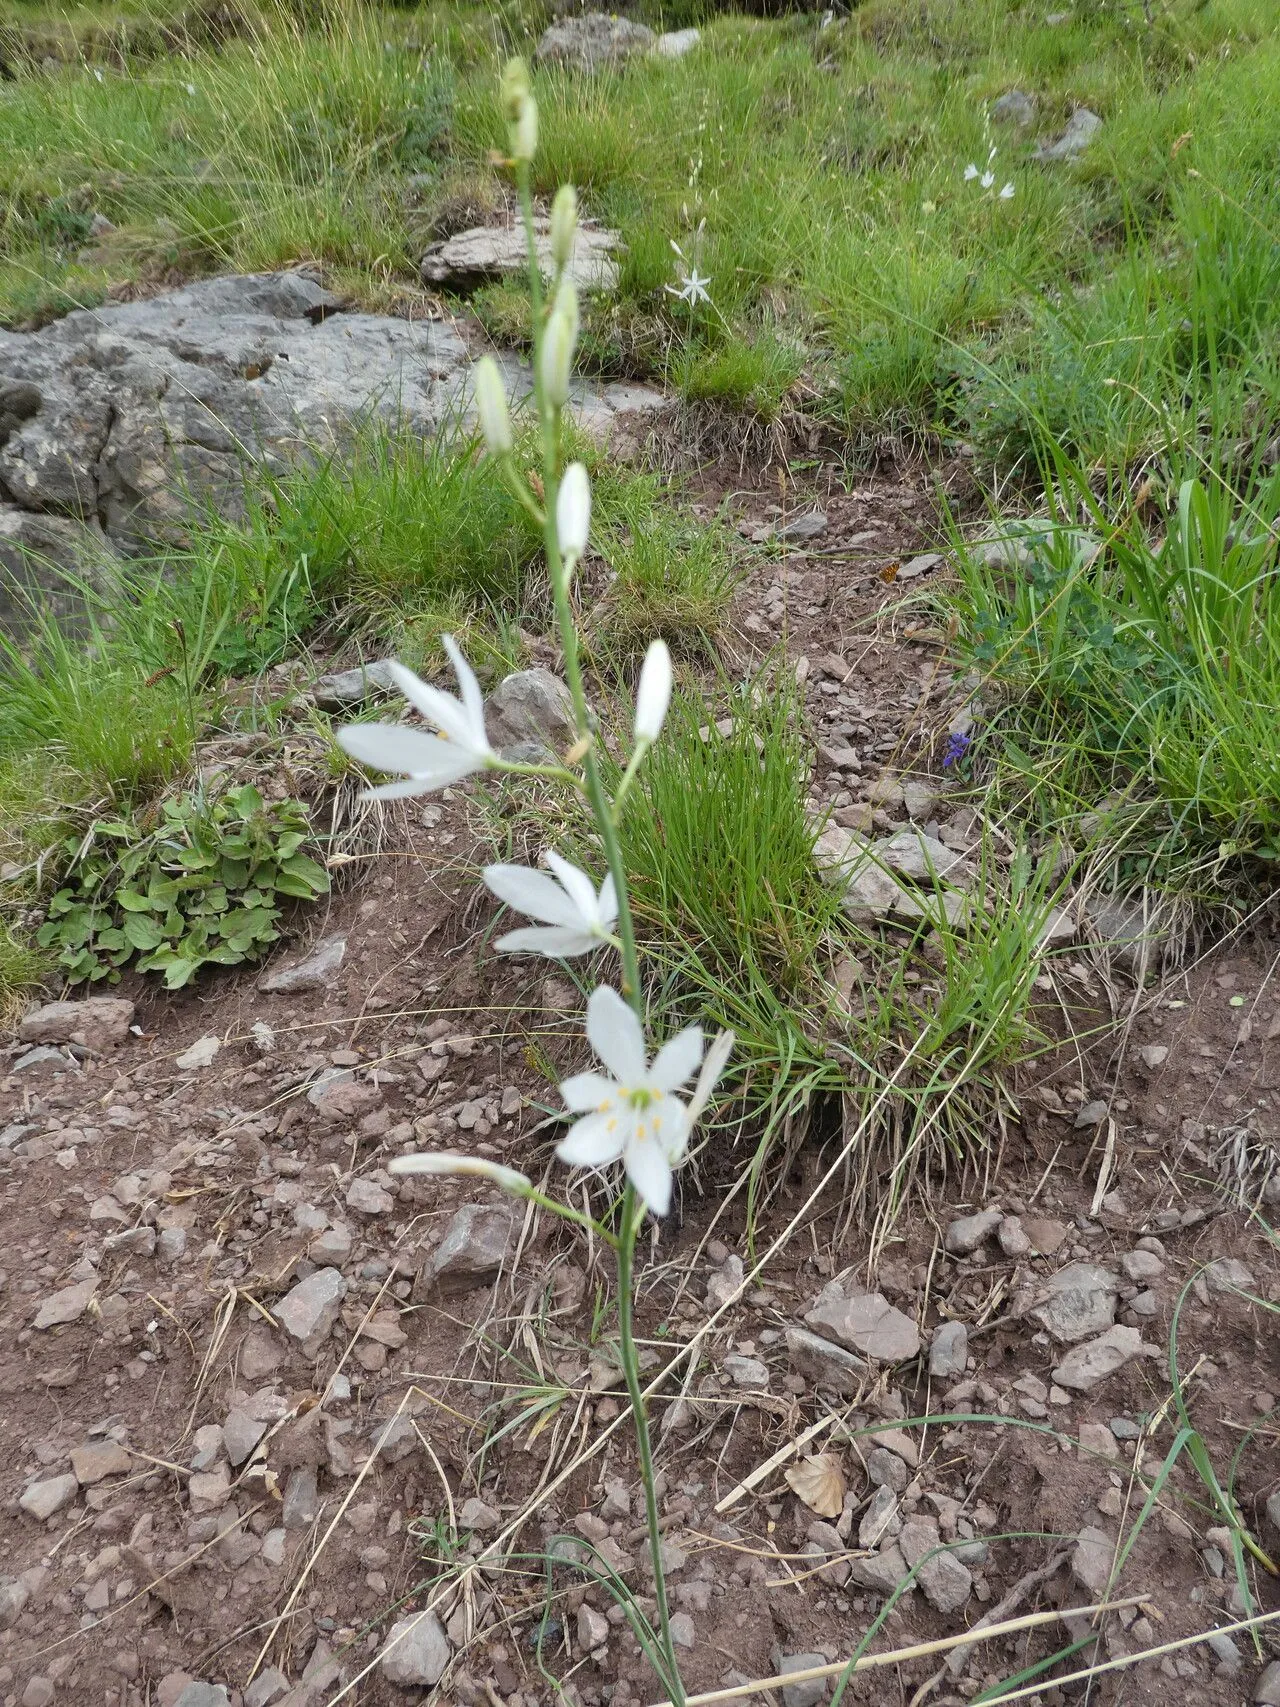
(631, 1114)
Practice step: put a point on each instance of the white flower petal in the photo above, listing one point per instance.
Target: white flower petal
(649, 1171)
(608, 903)
(1006, 192)
(402, 790)
(671, 1124)
(438, 707)
(615, 1035)
(594, 1140)
(557, 942)
(588, 1091)
(654, 692)
(677, 1061)
(472, 698)
(534, 893)
(970, 171)
(393, 747)
(712, 1066)
(447, 1162)
(576, 883)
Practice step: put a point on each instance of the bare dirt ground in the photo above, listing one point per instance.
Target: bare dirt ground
(209, 1476)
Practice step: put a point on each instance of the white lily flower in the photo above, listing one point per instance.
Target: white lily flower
(575, 919)
(653, 695)
(970, 171)
(693, 288)
(633, 1116)
(1006, 192)
(987, 179)
(449, 1162)
(573, 513)
(429, 761)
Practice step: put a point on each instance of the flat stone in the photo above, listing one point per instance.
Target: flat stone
(825, 1364)
(1080, 1300)
(241, 1433)
(1014, 107)
(42, 1499)
(41, 1056)
(208, 1490)
(97, 1022)
(880, 1521)
(807, 1694)
(65, 1306)
(1046, 1235)
(267, 1688)
(886, 1470)
(1141, 1266)
(301, 1504)
(415, 1652)
(314, 972)
(746, 1372)
(342, 1098)
(488, 253)
(40, 1690)
(345, 688)
(1092, 1559)
(202, 1053)
(1085, 1365)
(475, 1514)
(367, 1197)
(1097, 1438)
(1082, 127)
(913, 854)
(98, 1459)
(1266, 1691)
(949, 1351)
(1153, 1055)
(530, 711)
(477, 1242)
(924, 564)
(311, 1308)
(203, 1695)
(1227, 1274)
(965, 1235)
(944, 1580)
(332, 1246)
(1013, 1239)
(806, 526)
(882, 1572)
(868, 1324)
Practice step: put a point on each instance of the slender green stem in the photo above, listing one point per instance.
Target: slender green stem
(631, 1373)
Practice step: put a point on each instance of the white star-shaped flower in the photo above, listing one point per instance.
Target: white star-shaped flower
(1006, 192)
(575, 919)
(633, 1116)
(970, 171)
(693, 288)
(427, 761)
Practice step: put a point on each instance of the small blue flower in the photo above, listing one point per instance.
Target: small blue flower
(958, 745)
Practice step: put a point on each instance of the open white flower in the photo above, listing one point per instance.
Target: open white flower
(692, 289)
(633, 1115)
(970, 172)
(428, 761)
(1006, 192)
(653, 695)
(575, 919)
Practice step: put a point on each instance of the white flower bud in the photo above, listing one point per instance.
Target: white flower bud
(520, 110)
(564, 225)
(491, 405)
(573, 513)
(653, 696)
(557, 347)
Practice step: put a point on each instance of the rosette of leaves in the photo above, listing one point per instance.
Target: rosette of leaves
(204, 886)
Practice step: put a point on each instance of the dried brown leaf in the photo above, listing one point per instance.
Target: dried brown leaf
(818, 1483)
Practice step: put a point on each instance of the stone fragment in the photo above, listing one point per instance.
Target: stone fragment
(1012, 1238)
(1014, 107)
(949, 1352)
(1097, 1438)
(1045, 1234)
(920, 857)
(208, 1490)
(869, 1324)
(881, 1572)
(332, 1246)
(1092, 1559)
(880, 1521)
(924, 564)
(1266, 1691)
(965, 1235)
(315, 971)
(345, 688)
(530, 711)
(487, 253)
(746, 1372)
(1079, 1300)
(203, 1695)
(1228, 1274)
(267, 1688)
(65, 1306)
(674, 44)
(812, 1690)
(724, 1283)
(171, 1244)
(1085, 1365)
(806, 526)
(944, 1580)
(1141, 1266)
(367, 1197)
(415, 1652)
(476, 1244)
(338, 1097)
(1082, 127)
(886, 1470)
(42, 1499)
(241, 1433)
(40, 1690)
(593, 1628)
(97, 1459)
(14, 1595)
(301, 1499)
(478, 1516)
(1153, 1055)
(311, 1308)
(202, 1053)
(97, 1022)
(827, 1365)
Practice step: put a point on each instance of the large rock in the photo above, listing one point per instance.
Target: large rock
(593, 41)
(126, 417)
(530, 710)
(867, 1323)
(1082, 127)
(1079, 1300)
(97, 1022)
(488, 252)
(416, 1651)
(309, 1311)
(477, 1242)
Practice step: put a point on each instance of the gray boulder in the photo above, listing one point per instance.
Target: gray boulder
(488, 252)
(593, 41)
(1081, 129)
(530, 713)
(416, 1651)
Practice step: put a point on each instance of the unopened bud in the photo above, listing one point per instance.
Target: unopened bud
(573, 513)
(558, 343)
(491, 405)
(564, 225)
(520, 110)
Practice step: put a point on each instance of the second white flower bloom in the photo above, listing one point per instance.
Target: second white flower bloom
(575, 919)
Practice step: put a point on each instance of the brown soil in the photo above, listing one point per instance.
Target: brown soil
(135, 1581)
